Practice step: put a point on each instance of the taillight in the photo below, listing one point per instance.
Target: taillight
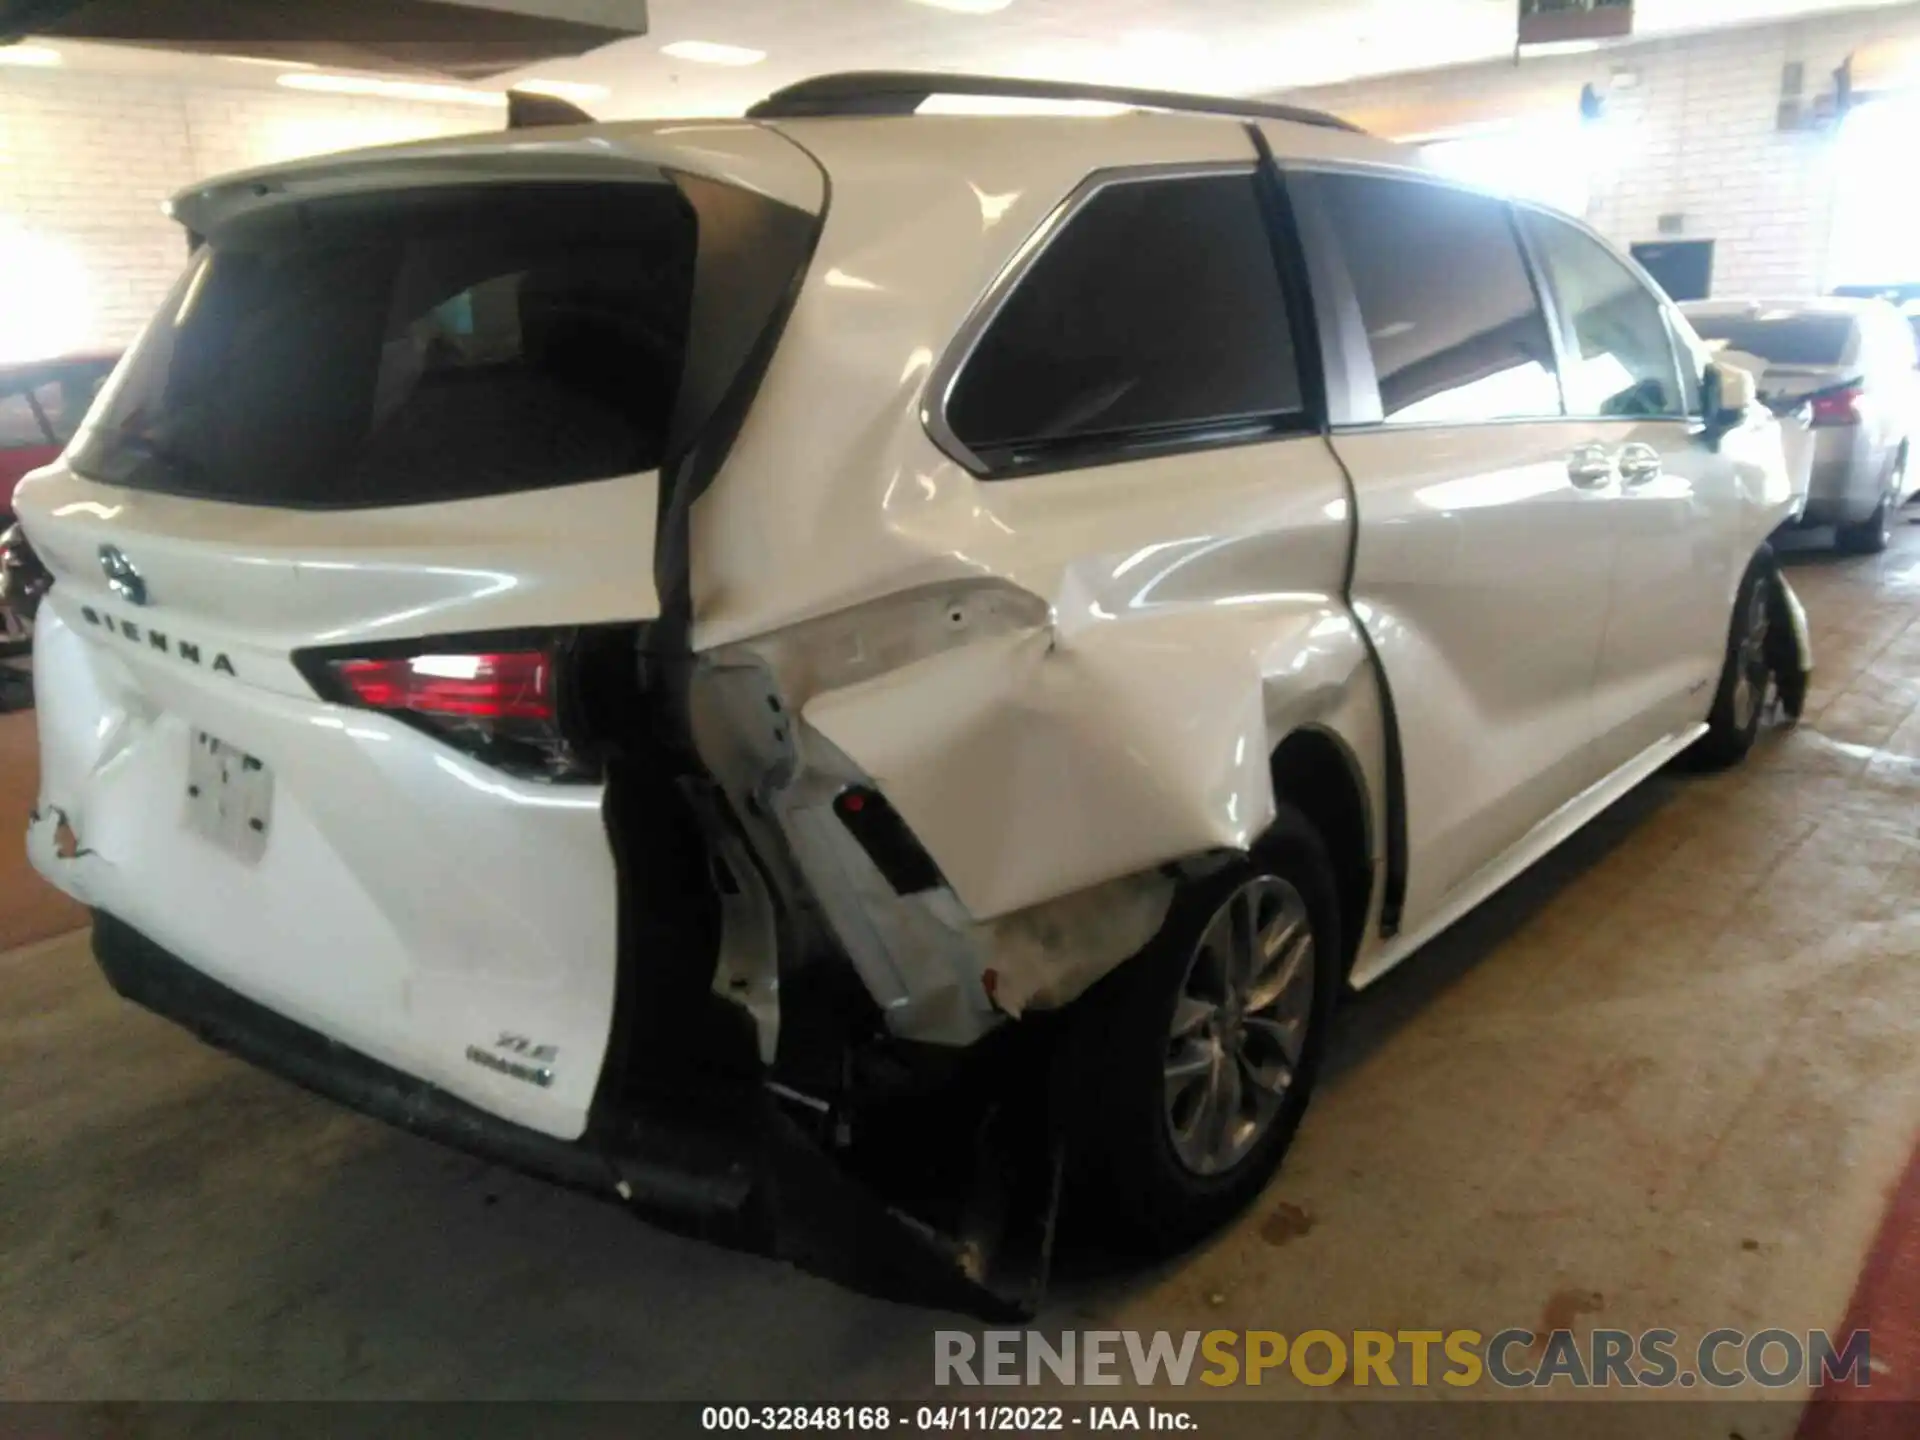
(501, 705)
(1837, 407)
(508, 685)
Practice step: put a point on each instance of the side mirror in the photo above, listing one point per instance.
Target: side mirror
(1729, 392)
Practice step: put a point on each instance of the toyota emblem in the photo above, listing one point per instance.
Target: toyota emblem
(122, 578)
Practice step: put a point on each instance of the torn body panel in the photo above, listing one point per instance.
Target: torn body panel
(1056, 698)
(1055, 756)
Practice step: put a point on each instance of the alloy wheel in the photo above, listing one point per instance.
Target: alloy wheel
(1751, 674)
(1239, 1025)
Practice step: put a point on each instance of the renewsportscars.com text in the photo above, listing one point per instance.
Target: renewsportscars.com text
(1511, 1359)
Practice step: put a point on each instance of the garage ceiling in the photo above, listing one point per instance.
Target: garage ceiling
(1225, 46)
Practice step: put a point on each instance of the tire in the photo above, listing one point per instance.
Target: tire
(1872, 535)
(1140, 1162)
(1745, 676)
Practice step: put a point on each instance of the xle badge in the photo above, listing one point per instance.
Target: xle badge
(510, 1056)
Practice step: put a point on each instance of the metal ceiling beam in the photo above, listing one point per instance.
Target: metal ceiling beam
(411, 37)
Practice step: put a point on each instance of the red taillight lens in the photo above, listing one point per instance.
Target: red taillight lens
(502, 706)
(514, 685)
(1837, 407)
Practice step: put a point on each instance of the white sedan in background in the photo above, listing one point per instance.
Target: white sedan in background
(1851, 363)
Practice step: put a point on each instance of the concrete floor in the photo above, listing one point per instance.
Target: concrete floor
(1670, 1078)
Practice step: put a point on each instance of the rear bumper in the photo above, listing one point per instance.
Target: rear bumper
(142, 971)
(1844, 485)
(745, 1176)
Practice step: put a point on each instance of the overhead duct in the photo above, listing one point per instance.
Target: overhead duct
(1574, 22)
(409, 37)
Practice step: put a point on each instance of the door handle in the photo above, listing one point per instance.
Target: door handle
(1639, 464)
(1590, 467)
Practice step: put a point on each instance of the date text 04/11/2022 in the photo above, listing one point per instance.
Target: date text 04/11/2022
(943, 1419)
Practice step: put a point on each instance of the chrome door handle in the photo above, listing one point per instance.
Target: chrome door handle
(1590, 467)
(1639, 464)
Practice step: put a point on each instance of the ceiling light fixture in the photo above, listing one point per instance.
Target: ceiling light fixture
(29, 57)
(391, 89)
(706, 52)
(578, 91)
(967, 7)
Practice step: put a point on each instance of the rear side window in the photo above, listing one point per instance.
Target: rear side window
(431, 345)
(1451, 316)
(1619, 359)
(1155, 315)
(1781, 336)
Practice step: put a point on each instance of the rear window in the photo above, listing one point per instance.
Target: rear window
(1452, 320)
(1156, 316)
(396, 349)
(1788, 340)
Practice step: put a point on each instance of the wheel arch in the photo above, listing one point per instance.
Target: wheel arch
(1317, 772)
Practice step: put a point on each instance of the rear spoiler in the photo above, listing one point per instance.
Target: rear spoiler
(528, 112)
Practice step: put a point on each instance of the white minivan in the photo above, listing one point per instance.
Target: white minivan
(709, 657)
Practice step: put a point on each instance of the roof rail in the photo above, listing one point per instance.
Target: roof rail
(528, 111)
(901, 92)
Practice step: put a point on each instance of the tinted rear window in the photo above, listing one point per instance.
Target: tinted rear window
(1790, 340)
(428, 346)
(1156, 312)
(1452, 319)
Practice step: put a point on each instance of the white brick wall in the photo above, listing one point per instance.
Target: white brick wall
(1697, 137)
(86, 159)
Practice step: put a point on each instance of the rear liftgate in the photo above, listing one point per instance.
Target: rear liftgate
(822, 1153)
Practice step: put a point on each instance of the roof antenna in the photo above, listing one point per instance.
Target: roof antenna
(526, 111)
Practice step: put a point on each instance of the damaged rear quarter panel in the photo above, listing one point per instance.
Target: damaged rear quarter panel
(1172, 618)
(1036, 764)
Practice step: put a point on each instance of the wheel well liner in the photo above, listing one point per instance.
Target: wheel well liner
(1315, 773)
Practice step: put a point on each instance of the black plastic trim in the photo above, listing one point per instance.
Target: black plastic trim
(880, 831)
(1296, 285)
(696, 460)
(1085, 452)
(902, 92)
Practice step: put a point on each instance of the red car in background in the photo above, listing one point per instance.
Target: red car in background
(41, 404)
